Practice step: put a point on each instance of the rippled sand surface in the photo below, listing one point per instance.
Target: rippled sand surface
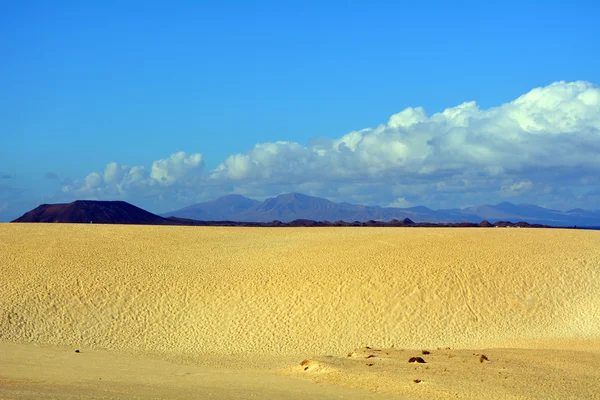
(184, 312)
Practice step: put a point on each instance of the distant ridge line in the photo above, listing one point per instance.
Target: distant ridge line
(294, 206)
(121, 212)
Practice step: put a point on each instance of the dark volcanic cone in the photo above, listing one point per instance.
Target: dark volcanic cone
(97, 212)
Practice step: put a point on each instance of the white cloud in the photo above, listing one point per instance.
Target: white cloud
(407, 118)
(92, 181)
(539, 135)
(516, 189)
(113, 173)
(178, 166)
(177, 171)
(400, 202)
(549, 137)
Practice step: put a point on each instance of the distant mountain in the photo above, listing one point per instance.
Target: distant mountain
(508, 210)
(289, 207)
(294, 206)
(295, 209)
(535, 214)
(97, 212)
(220, 209)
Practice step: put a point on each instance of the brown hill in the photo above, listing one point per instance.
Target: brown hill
(97, 212)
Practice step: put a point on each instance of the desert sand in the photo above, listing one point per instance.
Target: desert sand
(209, 312)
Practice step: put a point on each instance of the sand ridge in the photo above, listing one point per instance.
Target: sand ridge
(293, 291)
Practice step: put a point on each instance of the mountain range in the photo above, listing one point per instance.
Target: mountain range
(294, 209)
(293, 206)
(119, 212)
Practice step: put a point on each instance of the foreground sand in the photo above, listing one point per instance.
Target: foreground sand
(184, 312)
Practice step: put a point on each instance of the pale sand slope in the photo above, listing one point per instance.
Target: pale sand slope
(258, 301)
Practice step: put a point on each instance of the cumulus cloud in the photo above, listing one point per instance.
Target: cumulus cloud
(554, 126)
(548, 135)
(178, 171)
(516, 189)
(400, 202)
(545, 141)
(113, 173)
(175, 168)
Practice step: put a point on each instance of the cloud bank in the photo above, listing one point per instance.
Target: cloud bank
(177, 172)
(544, 146)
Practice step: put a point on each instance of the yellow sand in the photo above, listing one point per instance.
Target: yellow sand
(257, 301)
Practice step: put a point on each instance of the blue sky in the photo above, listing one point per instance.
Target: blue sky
(164, 104)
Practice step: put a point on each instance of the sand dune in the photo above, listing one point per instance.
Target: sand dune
(200, 295)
